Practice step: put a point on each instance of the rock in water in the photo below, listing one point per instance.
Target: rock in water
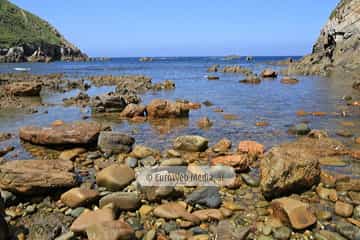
(191, 143)
(293, 212)
(115, 177)
(114, 142)
(111, 230)
(33, 177)
(108, 103)
(159, 108)
(269, 73)
(287, 169)
(133, 110)
(68, 134)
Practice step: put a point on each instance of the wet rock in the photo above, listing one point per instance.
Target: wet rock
(213, 78)
(175, 210)
(237, 69)
(327, 194)
(289, 80)
(115, 177)
(222, 146)
(191, 143)
(78, 197)
(6, 150)
(204, 123)
(269, 73)
(69, 134)
(356, 213)
(209, 214)
(159, 108)
(343, 209)
(145, 210)
(334, 161)
(166, 85)
(146, 59)
(348, 230)
(251, 147)
(5, 136)
(69, 155)
(326, 235)
(287, 169)
(33, 177)
(115, 142)
(208, 196)
(110, 102)
(121, 200)
(241, 163)
(24, 89)
(282, 233)
(133, 110)
(141, 152)
(344, 133)
(89, 218)
(251, 79)
(226, 230)
(154, 193)
(112, 230)
(214, 68)
(293, 213)
(299, 129)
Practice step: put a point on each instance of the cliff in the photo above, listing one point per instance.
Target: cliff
(26, 37)
(338, 46)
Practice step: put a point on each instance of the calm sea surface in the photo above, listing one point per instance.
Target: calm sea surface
(269, 101)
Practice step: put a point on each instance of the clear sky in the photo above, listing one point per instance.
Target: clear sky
(186, 27)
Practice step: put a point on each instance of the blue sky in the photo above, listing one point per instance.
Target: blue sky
(186, 27)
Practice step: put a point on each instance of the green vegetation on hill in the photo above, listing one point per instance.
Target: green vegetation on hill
(18, 27)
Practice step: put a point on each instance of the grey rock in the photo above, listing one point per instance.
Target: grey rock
(208, 196)
(115, 142)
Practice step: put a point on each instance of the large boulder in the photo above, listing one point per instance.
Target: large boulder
(108, 103)
(286, 169)
(133, 110)
(31, 177)
(23, 89)
(68, 134)
(114, 142)
(191, 143)
(159, 108)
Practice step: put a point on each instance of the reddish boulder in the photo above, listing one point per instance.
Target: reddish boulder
(251, 147)
(133, 110)
(240, 162)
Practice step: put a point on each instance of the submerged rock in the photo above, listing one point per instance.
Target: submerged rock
(251, 79)
(68, 134)
(115, 142)
(32, 177)
(287, 169)
(289, 80)
(191, 143)
(108, 103)
(300, 129)
(208, 196)
(251, 147)
(214, 68)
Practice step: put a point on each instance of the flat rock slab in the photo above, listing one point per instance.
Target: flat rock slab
(174, 210)
(67, 134)
(112, 230)
(36, 176)
(293, 212)
(115, 177)
(90, 218)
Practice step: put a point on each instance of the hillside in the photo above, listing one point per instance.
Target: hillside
(338, 46)
(26, 37)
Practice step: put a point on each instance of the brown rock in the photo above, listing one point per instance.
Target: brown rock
(89, 218)
(111, 230)
(140, 151)
(173, 211)
(69, 155)
(24, 89)
(115, 177)
(159, 108)
(77, 133)
(343, 209)
(78, 197)
(222, 146)
(289, 80)
(240, 162)
(204, 123)
(133, 110)
(36, 176)
(287, 169)
(208, 214)
(115, 142)
(121, 200)
(191, 143)
(269, 73)
(327, 194)
(293, 212)
(251, 147)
